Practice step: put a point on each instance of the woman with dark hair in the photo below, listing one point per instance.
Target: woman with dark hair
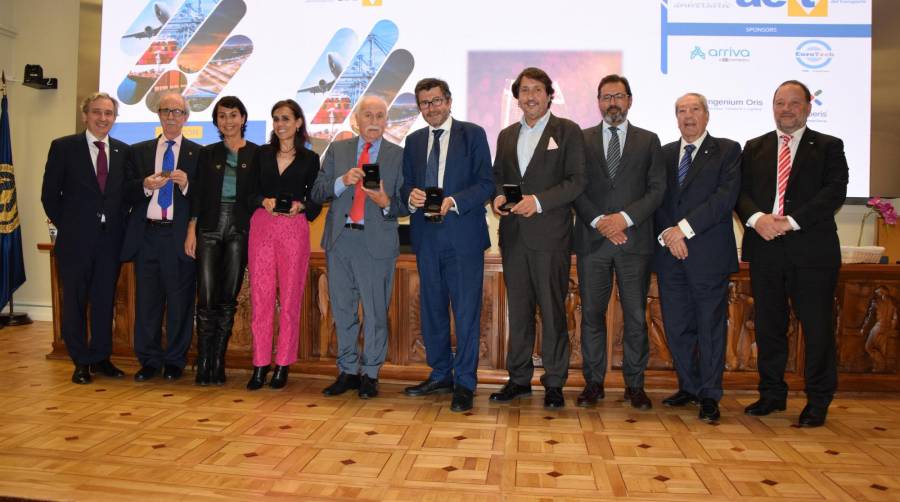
(279, 240)
(217, 234)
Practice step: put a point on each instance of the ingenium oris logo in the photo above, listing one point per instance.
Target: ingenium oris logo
(814, 54)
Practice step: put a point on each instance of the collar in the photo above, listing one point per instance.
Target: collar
(699, 141)
(623, 127)
(92, 139)
(444, 127)
(176, 139)
(537, 125)
(795, 136)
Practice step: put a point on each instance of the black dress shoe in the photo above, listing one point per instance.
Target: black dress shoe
(279, 377)
(368, 387)
(145, 373)
(681, 398)
(172, 372)
(553, 398)
(344, 382)
(813, 416)
(638, 398)
(511, 391)
(462, 399)
(258, 379)
(82, 374)
(592, 392)
(764, 406)
(709, 410)
(106, 368)
(429, 387)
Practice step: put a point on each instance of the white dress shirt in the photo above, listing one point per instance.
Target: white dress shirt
(154, 212)
(622, 132)
(683, 224)
(442, 160)
(793, 145)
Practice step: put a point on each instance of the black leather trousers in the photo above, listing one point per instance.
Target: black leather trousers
(221, 261)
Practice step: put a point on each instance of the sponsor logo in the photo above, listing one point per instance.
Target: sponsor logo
(721, 54)
(795, 8)
(814, 54)
(735, 103)
(371, 3)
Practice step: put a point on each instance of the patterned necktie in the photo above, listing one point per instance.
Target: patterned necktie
(434, 159)
(165, 193)
(613, 152)
(102, 165)
(358, 209)
(784, 170)
(685, 163)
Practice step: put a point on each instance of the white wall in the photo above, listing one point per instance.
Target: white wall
(46, 32)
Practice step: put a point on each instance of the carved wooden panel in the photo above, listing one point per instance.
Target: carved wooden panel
(868, 327)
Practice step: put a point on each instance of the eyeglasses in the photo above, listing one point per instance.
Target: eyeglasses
(434, 102)
(619, 96)
(174, 111)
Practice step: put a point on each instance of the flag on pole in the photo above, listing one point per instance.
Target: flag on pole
(12, 264)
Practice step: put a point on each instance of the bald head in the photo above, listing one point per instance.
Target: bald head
(371, 117)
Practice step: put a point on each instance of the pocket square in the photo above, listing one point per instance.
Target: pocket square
(551, 145)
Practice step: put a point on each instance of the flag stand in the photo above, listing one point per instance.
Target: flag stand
(13, 318)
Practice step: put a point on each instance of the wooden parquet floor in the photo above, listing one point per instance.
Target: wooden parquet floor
(119, 440)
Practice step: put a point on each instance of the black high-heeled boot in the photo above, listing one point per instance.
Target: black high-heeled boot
(259, 377)
(220, 345)
(206, 330)
(279, 377)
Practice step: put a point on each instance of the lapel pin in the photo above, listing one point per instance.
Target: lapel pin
(116, 150)
(190, 153)
(243, 166)
(218, 166)
(705, 152)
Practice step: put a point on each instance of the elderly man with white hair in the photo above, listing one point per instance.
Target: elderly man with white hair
(159, 175)
(361, 244)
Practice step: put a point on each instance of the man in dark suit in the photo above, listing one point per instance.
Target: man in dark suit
(544, 156)
(361, 245)
(696, 253)
(165, 279)
(83, 195)
(454, 156)
(614, 232)
(793, 180)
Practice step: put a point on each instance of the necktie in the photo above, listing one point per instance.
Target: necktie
(784, 170)
(102, 166)
(434, 160)
(358, 209)
(613, 152)
(685, 163)
(165, 193)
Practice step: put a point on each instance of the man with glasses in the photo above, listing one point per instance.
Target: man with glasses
(159, 177)
(450, 159)
(83, 195)
(614, 232)
(540, 158)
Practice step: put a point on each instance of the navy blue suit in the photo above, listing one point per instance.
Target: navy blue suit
(165, 277)
(694, 291)
(450, 255)
(91, 224)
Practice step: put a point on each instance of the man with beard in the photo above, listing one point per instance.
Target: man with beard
(361, 245)
(543, 157)
(614, 232)
(159, 176)
(454, 156)
(793, 180)
(697, 253)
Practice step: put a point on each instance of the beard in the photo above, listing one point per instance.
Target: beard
(614, 115)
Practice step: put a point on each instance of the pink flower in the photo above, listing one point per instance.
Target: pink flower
(884, 209)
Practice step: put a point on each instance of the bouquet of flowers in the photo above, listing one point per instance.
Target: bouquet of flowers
(883, 208)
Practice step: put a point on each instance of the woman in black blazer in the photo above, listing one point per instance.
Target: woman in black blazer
(279, 240)
(217, 234)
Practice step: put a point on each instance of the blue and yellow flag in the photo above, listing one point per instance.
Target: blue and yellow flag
(12, 264)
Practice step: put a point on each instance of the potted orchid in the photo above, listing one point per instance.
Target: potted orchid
(883, 208)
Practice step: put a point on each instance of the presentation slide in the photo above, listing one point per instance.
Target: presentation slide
(328, 54)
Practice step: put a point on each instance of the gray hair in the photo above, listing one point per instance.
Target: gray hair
(163, 95)
(697, 95)
(86, 102)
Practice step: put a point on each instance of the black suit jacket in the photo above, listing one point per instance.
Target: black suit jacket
(637, 189)
(72, 198)
(816, 189)
(467, 178)
(706, 200)
(206, 193)
(297, 180)
(143, 164)
(555, 176)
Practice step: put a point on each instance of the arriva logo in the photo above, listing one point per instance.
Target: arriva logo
(722, 54)
(796, 8)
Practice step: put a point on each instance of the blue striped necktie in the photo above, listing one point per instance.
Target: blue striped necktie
(613, 152)
(168, 165)
(685, 163)
(434, 160)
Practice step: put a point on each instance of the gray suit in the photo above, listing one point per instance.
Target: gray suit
(360, 262)
(637, 189)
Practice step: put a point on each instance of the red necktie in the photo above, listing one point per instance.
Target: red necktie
(358, 209)
(102, 166)
(784, 170)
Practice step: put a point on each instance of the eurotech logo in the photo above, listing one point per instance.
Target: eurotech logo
(795, 8)
(814, 54)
